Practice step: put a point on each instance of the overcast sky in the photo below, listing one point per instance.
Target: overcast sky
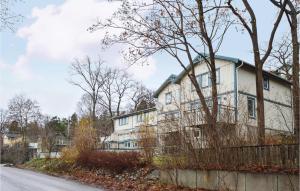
(35, 59)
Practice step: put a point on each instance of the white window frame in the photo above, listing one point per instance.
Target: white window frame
(251, 114)
(266, 79)
(140, 118)
(123, 121)
(168, 98)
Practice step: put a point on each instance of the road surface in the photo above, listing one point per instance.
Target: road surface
(14, 179)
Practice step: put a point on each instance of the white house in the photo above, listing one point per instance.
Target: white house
(178, 101)
(178, 104)
(127, 128)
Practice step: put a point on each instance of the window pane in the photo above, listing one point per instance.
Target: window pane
(218, 76)
(251, 107)
(168, 98)
(266, 83)
(204, 80)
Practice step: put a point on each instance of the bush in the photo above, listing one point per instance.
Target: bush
(113, 161)
(15, 154)
(69, 155)
(48, 165)
(85, 137)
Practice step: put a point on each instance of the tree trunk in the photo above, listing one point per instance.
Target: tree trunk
(259, 88)
(260, 105)
(296, 102)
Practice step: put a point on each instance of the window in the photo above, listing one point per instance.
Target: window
(127, 144)
(217, 77)
(266, 83)
(123, 121)
(209, 102)
(171, 116)
(251, 107)
(168, 98)
(140, 118)
(205, 79)
(195, 106)
(196, 134)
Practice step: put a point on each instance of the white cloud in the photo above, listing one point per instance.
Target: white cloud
(59, 33)
(21, 70)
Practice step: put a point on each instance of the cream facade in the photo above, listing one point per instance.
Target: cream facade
(178, 101)
(127, 129)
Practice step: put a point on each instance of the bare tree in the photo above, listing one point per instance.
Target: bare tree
(250, 25)
(142, 98)
(117, 86)
(8, 17)
(292, 10)
(23, 111)
(179, 28)
(84, 106)
(87, 76)
(3, 120)
(281, 59)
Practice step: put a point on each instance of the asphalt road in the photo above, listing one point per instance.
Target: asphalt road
(14, 179)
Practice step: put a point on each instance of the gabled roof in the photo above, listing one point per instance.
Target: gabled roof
(198, 59)
(271, 75)
(12, 135)
(169, 80)
(176, 79)
(135, 113)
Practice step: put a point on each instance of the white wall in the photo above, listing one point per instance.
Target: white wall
(278, 113)
(127, 133)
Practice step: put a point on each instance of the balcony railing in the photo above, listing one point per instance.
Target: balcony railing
(226, 114)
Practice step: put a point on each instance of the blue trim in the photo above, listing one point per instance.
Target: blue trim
(208, 97)
(169, 112)
(170, 79)
(268, 100)
(144, 111)
(235, 91)
(198, 59)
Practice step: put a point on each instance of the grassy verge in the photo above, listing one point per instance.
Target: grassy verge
(134, 179)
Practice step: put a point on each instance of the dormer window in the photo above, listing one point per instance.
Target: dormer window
(168, 98)
(266, 83)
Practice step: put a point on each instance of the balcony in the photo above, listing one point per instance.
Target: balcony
(226, 114)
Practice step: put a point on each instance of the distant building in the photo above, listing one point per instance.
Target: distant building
(127, 129)
(10, 138)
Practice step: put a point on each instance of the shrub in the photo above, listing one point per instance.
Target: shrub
(16, 154)
(48, 165)
(113, 161)
(85, 138)
(69, 155)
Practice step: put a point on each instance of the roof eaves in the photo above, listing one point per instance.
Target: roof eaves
(198, 59)
(270, 74)
(135, 113)
(170, 79)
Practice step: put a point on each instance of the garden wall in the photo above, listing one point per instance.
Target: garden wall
(237, 181)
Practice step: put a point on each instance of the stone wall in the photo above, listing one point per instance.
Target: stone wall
(237, 181)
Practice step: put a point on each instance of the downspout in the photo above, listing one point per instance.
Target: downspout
(237, 89)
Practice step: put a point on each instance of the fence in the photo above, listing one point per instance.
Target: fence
(282, 156)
